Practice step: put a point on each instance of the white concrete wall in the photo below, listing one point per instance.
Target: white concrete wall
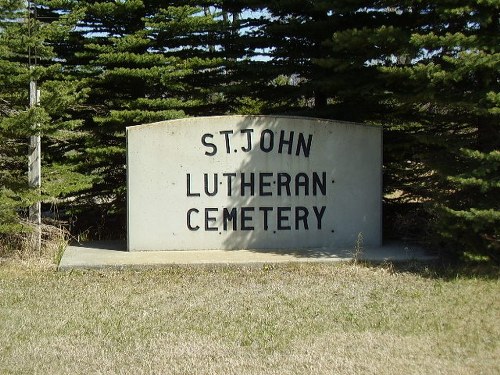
(329, 177)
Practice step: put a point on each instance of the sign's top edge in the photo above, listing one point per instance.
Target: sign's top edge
(256, 117)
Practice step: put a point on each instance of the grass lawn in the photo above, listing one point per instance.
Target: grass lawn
(287, 319)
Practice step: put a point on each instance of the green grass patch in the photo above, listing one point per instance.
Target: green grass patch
(286, 319)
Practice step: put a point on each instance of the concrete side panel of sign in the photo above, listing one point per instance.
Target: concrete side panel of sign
(253, 182)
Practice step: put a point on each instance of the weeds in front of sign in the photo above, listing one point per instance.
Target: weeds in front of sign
(23, 244)
(357, 253)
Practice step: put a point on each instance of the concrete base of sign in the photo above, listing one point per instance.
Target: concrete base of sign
(113, 254)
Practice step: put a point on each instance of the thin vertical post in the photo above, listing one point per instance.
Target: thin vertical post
(35, 150)
(35, 169)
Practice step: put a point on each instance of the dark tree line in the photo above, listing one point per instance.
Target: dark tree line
(428, 73)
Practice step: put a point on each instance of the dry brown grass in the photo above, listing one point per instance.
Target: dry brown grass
(287, 319)
(23, 245)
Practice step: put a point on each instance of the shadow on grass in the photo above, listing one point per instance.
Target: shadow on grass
(444, 270)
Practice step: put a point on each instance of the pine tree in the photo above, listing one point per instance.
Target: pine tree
(427, 72)
(24, 41)
(447, 95)
(141, 62)
(295, 31)
(325, 56)
(14, 191)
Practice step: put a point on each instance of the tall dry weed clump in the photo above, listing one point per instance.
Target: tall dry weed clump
(23, 245)
(357, 252)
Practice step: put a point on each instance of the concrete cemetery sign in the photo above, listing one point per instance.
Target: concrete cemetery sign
(253, 182)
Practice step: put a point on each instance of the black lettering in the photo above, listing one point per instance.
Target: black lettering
(226, 136)
(284, 180)
(245, 184)
(301, 214)
(229, 216)
(319, 214)
(248, 132)
(264, 184)
(266, 211)
(215, 185)
(302, 180)
(270, 140)
(189, 194)
(283, 219)
(319, 183)
(209, 219)
(209, 144)
(245, 218)
(301, 144)
(288, 142)
(229, 182)
(190, 211)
